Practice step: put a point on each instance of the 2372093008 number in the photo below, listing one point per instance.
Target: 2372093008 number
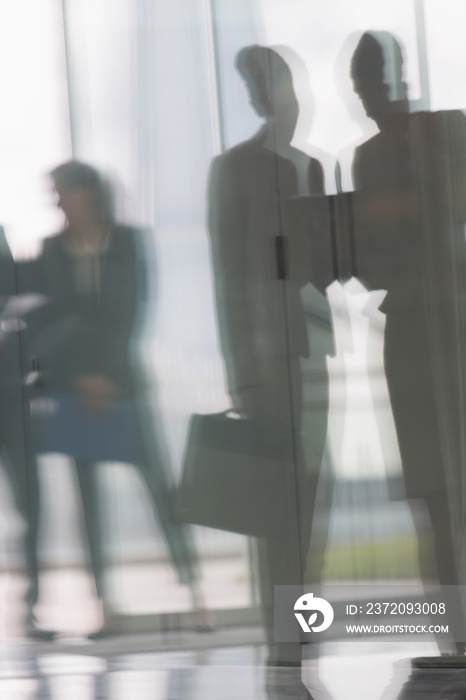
(400, 608)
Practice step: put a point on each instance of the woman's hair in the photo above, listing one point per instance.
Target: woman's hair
(74, 175)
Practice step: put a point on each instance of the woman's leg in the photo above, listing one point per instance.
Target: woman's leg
(178, 536)
(87, 479)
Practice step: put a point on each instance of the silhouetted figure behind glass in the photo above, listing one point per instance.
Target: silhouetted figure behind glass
(15, 449)
(409, 215)
(261, 320)
(93, 273)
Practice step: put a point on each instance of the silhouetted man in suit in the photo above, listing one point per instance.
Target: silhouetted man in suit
(409, 239)
(261, 263)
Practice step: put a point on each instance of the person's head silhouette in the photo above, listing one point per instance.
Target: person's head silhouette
(377, 74)
(270, 84)
(83, 194)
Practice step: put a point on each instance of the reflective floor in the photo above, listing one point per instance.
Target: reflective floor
(88, 671)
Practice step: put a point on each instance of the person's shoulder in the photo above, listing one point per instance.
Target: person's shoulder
(224, 169)
(239, 153)
(129, 240)
(126, 236)
(369, 144)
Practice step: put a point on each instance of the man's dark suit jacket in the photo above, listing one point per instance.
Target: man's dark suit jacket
(260, 317)
(410, 210)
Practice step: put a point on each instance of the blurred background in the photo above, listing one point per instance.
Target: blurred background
(147, 92)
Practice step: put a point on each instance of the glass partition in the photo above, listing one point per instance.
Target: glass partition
(232, 327)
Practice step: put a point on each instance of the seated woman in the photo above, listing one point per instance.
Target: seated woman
(92, 273)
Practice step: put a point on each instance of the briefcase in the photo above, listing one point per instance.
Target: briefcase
(238, 475)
